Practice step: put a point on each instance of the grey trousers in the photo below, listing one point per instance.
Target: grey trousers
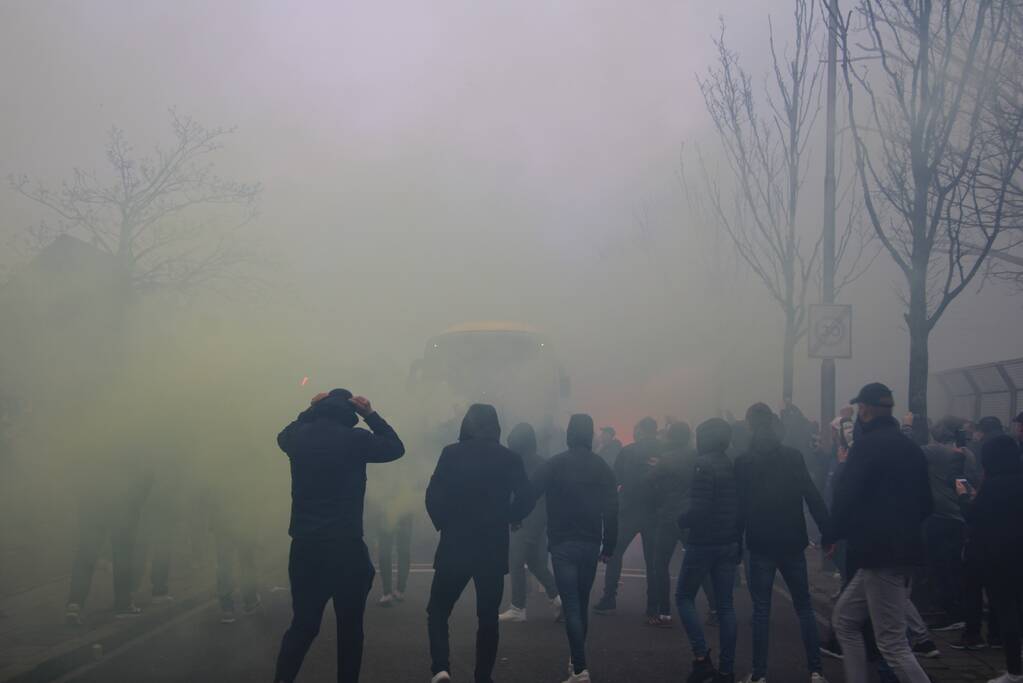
(530, 552)
(881, 595)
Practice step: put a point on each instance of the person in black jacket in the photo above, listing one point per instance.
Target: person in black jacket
(478, 489)
(634, 462)
(773, 483)
(881, 502)
(995, 522)
(667, 494)
(582, 513)
(529, 544)
(712, 548)
(329, 559)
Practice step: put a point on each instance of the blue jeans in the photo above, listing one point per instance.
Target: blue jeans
(761, 570)
(575, 568)
(719, 562)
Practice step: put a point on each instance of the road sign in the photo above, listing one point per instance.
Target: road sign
(830, 331)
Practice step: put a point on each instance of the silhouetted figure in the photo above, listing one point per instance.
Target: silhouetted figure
(329, 560)
(478, 489)
(582, 509)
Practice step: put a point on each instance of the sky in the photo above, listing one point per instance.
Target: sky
(428, 163)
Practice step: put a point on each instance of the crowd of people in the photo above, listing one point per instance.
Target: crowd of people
(913, 516)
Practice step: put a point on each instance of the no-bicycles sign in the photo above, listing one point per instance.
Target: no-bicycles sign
(830, 331)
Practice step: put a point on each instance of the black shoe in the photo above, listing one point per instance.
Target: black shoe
(927, 649)
(947, 624)
(969, 642)
(724, 678)
(995, 642)
(832, 648)
(703, 671)
(607, 605)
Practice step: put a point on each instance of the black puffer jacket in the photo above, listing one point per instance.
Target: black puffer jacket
(773, 484)
(633, 464)
(882, 499)
(713, 514)
(478, 489)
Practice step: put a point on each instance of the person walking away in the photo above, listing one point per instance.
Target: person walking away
(773, 483)
(712, 549)
(582, 512)
(528, 547)
(945, 529)
(995, 521)
(634, 517)
(608, 446)
(881, 502)
(478, 489)
(329, 559)
(667, 486)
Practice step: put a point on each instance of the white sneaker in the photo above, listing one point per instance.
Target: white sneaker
(227, 616)
(581, 677)
(73, 614)
(441, 677)
(514, 614)
(1007, 678)
(385, 600)
(750, 679)
(817, 678)
(556, 605)
(398, 596)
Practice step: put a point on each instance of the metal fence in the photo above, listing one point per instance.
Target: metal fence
(980, 390)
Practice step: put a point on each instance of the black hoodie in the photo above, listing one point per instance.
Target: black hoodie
(773, 484)
(328, 467)
(668, 483)
(522, 441)
(582, 501)
(477, 490)
(995, 517)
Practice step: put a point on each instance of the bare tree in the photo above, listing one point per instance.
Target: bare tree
(765, 143)
(937, 145)
(166, 217)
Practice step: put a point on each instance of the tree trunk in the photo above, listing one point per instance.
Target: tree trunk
(919, 338)
(789, 356)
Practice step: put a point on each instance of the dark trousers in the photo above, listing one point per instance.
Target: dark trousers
(943, 540)
(720, 563)
(975, 577)
(322, 571)
(761, 571)
(448, 585)
(99, 520)
(1006, 597)
(401, 535)
(233, 548)
(575, 568)
(528, 552)
(667, 538)
(629, 524)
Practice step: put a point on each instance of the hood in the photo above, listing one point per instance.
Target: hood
(713, 436)
(580, 431)
(766, 429)
(334, 407)
(1001, 456)
(522, 439)
(480, 422)
(679, 436)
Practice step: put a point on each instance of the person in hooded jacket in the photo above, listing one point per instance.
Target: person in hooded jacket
(881, 502)
(667, 493)
(329, 559)
(633, 464)
(773, 484)
(712, 549)
(582, 511)
(528, 547)
(995, 521)
(477, 491)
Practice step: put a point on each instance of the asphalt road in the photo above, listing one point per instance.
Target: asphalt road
(622, 649)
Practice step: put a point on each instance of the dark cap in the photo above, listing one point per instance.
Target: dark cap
(875, 394)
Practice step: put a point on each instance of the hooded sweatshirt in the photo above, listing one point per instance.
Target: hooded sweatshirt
(668, 483)
(522, 441)
(582, 500)
(773, 484)
(713, 514)
(477, 490)
(328, 457)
